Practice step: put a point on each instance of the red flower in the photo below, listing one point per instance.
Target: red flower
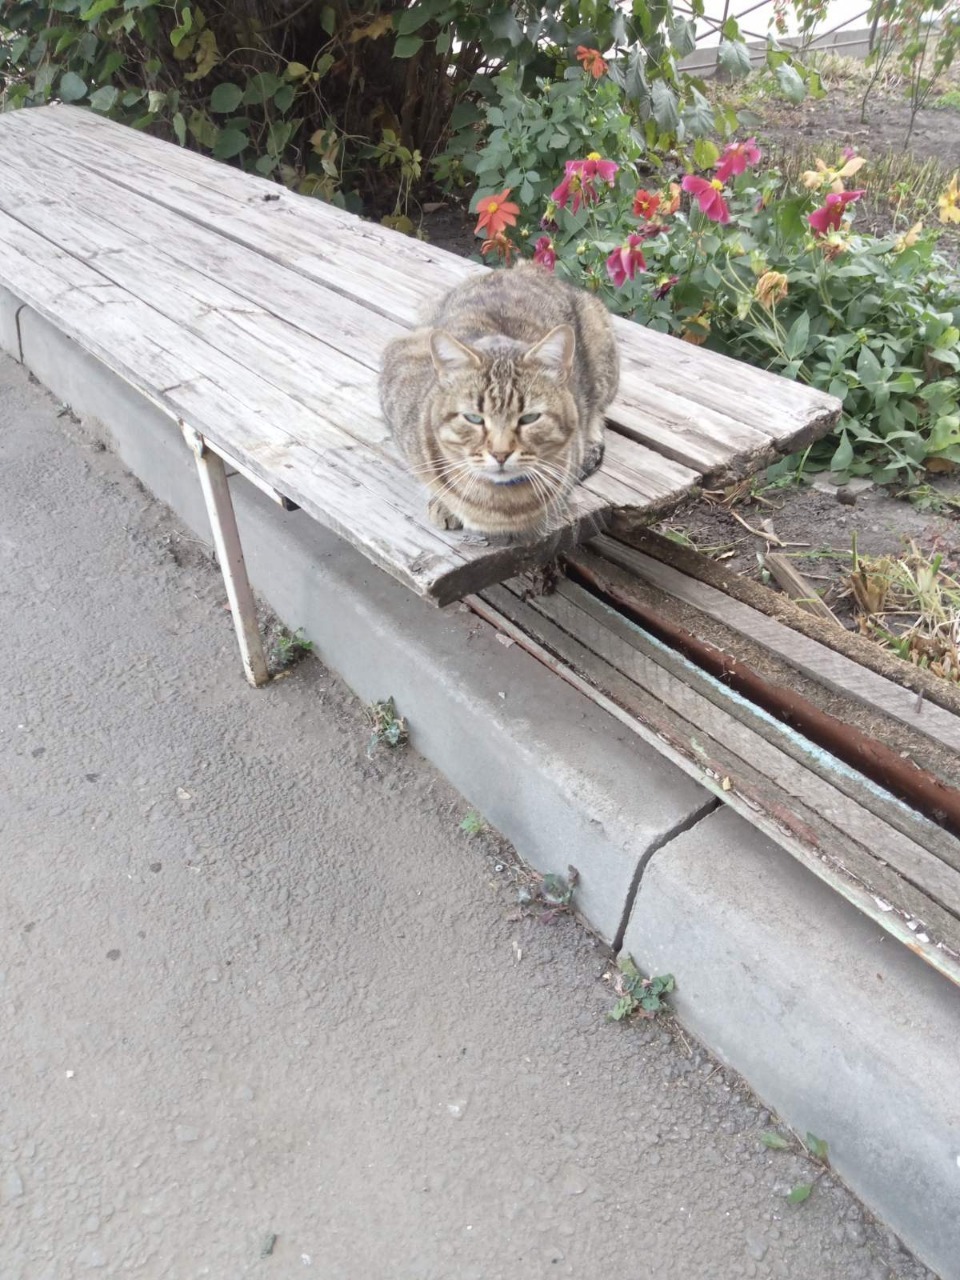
(591, 61)
(544, 253)
(502, 244)
(579, 179)
(828, 217)
(624, 262)
(663, 289)
(736, 157)
(708, 197)
(645, 205)
(496, 214)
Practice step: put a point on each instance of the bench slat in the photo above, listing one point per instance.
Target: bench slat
(261, 323)
(398, 275)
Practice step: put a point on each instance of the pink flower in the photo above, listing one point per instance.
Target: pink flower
(579, 180)
(544, 253)
(828, 217)
(848, 153)
(625, 262)
(736, 157)
(708, 197)
(664, 287)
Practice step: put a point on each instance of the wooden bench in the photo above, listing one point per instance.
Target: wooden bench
(256, 319)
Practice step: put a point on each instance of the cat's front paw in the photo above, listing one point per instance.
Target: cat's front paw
(441, 516)
(592, 459)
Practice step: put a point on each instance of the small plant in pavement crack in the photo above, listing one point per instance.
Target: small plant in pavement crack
(389, 728)
(637, 995)
(552, 892)
(290, 647)
(473, 825)
(814, 1147)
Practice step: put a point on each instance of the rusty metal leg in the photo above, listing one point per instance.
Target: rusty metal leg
(226, 539)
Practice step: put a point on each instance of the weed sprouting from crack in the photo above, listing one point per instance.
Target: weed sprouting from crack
(389, 728)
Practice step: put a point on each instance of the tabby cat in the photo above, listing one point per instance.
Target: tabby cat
(497, 405)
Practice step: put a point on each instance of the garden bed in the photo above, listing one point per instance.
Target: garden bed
(820, 523)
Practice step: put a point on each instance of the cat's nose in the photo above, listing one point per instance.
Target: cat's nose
(501, 457)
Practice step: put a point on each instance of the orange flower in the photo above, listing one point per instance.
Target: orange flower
(501, 244)
(496, 214)
(673, 203)
(645, 205)
(592, 61)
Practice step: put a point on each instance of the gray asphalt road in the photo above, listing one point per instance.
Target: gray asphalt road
(256, 984)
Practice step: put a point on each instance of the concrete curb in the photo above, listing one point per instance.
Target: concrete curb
(834, 1024)
(775, 973)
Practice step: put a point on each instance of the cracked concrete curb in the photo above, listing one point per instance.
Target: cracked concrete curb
(774, 972)
(834, 1023)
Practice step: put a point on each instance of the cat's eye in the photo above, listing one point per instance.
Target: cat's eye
(527, 418)
(475, 419)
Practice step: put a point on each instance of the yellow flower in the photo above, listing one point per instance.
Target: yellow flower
(814, 179)
(909, 238)
(771, 288)
(823, 176)
(949, 202)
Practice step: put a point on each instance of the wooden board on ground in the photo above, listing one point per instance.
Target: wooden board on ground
(894, 864)
(258, 317)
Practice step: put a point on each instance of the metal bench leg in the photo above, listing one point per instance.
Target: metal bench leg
(226, 539)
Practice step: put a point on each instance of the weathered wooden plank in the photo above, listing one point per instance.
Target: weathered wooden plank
(647, 662)
(892, 812)
(805, 654)
(800, 829)
(171, 276)
(773, 413)
(360, 496)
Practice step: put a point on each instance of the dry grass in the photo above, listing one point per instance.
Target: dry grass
(910, 605)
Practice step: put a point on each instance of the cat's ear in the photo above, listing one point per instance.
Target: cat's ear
(555, 351)
(450, 356)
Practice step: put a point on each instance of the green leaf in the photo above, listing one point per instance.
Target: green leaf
(230, 143)
(683, 37)
(180, 128)
(104, 98)
(665, 106)
(407, 46)
(697, 116)
(505, 26)
(94, 11)
(798, 337)
(843, 455)
(945, 433)
(283, 98)
(72, 88)
(816, 1146)
(800, 1193)
(226, 98)
(297, 70)
(328, 19)
(622, 1009)
(869, 370)
(410, 20)
(791, 85)
(705, 153)
(775, 1141)
(734, 58)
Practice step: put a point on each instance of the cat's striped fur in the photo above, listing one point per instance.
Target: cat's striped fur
(497, 403)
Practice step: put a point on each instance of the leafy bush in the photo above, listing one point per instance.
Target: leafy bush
(329, 95)
(920, 38)
(763, 273)
(322, 94)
